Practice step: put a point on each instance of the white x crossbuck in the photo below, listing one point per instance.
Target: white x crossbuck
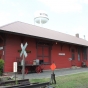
(23, 50)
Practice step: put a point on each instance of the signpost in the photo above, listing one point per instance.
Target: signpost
(23, 52)
(53, 67)
(15, 68)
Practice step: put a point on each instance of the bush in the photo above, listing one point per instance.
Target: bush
(1, 66)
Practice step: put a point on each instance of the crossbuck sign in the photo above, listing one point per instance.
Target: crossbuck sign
(23, 50)
(24, 55)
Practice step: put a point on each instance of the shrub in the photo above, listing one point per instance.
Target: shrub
(1, 66)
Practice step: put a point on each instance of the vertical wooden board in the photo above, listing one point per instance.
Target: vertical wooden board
(40, 58)
(46, 59)
(46, 51)
(39, 49)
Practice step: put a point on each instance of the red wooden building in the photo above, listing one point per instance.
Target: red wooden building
(43, 44)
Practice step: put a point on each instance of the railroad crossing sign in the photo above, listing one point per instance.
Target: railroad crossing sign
(23, 50)
(53, 67)
(24, 55)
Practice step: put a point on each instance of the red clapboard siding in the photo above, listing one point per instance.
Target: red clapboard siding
(13, 43)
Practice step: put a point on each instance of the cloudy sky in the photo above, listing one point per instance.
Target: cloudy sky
(67, 16)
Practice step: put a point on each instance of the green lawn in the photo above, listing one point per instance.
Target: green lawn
(70, 81)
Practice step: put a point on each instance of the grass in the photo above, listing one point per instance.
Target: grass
(70, 81)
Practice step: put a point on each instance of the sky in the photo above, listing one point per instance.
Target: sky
(66, 16)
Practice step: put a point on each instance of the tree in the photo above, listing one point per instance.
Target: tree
(1, 66)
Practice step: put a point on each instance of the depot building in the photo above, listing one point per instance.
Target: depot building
(44, 44)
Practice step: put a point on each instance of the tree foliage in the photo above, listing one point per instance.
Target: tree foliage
(1, 66)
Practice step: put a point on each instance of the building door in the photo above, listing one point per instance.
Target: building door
(43, 52)
(73, 57)
(79, 61)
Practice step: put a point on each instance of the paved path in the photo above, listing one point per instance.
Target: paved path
(47, 74)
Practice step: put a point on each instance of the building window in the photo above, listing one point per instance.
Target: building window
(44, 52)
(73, 56)
(85, 53)
(78, 54)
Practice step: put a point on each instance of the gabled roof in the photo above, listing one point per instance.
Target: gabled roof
(28, 29)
